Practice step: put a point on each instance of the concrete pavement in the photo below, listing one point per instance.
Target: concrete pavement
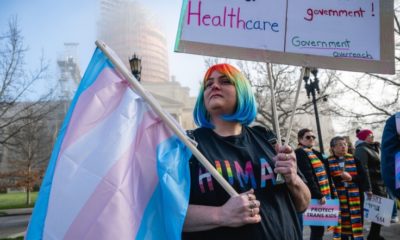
(13, 222)
(389, 233)
(14, 212)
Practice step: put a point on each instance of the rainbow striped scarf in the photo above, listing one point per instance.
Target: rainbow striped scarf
(320, 173)
(350, 222)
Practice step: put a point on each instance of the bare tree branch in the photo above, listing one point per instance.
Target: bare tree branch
(16, 82)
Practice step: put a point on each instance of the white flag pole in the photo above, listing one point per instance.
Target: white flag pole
(137, 87)
(273, 103)
(279, 177)
(303, 70)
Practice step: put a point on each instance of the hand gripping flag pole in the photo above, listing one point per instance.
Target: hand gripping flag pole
(279, 177)
(135, 85)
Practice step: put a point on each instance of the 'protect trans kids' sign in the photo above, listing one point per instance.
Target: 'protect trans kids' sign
(355, 35)
(322, 215)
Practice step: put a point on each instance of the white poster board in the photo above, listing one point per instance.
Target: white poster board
(355, 35)
(378, 209)
(344, 29)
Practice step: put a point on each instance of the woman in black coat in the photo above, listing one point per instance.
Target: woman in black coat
(310, 161)
(367, 151)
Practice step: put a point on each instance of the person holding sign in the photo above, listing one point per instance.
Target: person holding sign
(367, 151)
(244, 157)
(348, 176)
(315, 169)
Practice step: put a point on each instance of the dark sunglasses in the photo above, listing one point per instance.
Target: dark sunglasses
(309, 137)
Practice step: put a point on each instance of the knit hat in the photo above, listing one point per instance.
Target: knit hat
(363, 134)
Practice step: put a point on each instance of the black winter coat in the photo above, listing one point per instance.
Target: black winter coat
(368, 154)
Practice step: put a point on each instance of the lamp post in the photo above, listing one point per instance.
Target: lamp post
(312, 86)
(136, 66)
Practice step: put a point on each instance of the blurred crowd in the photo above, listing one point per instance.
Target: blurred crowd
(350, 172)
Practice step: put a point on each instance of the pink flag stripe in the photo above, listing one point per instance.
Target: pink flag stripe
(83, 164)
(94, 104)
(120, 199)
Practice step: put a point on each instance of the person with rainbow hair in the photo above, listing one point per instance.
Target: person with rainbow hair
(243, 155)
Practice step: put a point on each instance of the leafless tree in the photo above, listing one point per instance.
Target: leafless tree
(22, 134)
(30, 149)
(16, 82)
(285, 81)
(374, 97)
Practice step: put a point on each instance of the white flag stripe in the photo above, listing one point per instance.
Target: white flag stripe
(102, 142)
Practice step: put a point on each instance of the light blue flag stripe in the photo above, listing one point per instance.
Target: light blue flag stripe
(165, 214)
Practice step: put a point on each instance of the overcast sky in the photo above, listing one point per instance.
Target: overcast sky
(47, 24)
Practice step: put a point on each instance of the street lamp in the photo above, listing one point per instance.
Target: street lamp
(136, 66)
(312, 86)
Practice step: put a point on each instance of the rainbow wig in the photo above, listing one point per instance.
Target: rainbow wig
(246, 107)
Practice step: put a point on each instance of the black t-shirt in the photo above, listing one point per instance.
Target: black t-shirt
(245, 161)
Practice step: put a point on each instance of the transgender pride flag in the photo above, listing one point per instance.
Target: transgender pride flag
(116, 171)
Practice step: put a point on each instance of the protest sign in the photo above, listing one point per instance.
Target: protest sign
(355, 35)
(378, 209)
(322, 215)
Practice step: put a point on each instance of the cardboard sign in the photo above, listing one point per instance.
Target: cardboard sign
(354, 35)
(322, 215)
(378, 209)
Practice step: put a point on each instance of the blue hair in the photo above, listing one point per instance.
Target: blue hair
(246, 106)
